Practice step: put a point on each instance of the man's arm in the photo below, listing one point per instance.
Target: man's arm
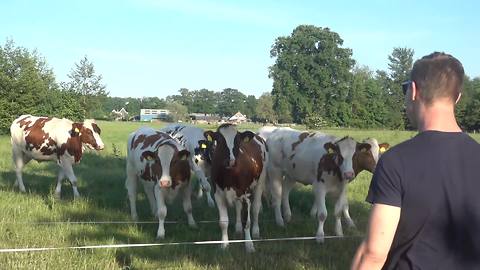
(373, 251)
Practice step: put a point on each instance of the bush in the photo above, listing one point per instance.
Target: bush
(315, 122)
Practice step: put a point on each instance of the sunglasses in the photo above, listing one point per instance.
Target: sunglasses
(405, 86)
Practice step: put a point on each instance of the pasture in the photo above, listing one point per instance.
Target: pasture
(101, 179)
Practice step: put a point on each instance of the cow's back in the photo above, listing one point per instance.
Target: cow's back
(187, 136)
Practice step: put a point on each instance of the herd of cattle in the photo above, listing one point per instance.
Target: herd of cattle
(241, 167)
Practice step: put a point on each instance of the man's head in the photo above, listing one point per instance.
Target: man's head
(435, 78)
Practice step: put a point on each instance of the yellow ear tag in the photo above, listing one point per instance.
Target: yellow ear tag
(330, 151)
(77, 130)
(363, 150)
(209, 138)
(184, 157)
(203, 146)
(382, 150)
(246, 139)
(149, 158)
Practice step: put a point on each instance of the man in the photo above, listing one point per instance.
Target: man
(425, 191)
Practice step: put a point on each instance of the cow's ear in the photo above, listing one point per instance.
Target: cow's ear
(330, 147)
(209, 135)
(76, 130)
(183, 155)
(383, 147)
(203, 144)
(247, 136)
(364, 147)
(149, 155)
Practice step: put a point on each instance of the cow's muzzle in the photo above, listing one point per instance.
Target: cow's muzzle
(165, 183)
(348, 176)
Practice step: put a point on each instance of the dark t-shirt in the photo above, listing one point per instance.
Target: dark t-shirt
(435, 179)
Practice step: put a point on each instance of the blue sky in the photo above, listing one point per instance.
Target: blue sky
(155, 47)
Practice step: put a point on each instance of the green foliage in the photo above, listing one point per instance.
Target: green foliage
(88, 86)
(311, 73)
(178, 112)
(315, 122)
(27, 84)
(264, 110)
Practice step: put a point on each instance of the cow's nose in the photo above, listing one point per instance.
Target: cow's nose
(231, 163)
(348, 175)
(100, 147)
(165, 183)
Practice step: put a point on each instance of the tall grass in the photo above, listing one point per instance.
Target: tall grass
(101, 178)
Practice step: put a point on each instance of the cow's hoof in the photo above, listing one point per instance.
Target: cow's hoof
(249, 247)
(280, 222)
(210, 202)
(160, 237)
(351, 224)
(193, 225)
(255, 232)
(320, 239)
(223, 246)
(287, 218)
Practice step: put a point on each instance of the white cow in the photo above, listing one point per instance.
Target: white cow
(52, 139)
(161, 164)
(193, 139)
(315, 159)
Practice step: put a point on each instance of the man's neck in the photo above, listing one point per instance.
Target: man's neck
(438, 116)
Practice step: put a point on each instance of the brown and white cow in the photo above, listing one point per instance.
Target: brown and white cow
(363, 159)
(161, 164)
(238, 172)
(45, 139)
(314, 159)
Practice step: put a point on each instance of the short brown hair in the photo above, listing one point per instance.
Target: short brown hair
(438, 75)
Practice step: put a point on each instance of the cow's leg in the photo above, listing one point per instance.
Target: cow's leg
(148, 187)
(339, 208)
(131, 185)
(19, 161)
(313, 211)
(203, 183)
(275, 176)
(238, 220)
(60, 177)
(287, 187)
(187, 204)
(161, 212)
(257, 203)
(223, 216)
(348, 219)
(320, 193)
(68, 170)
(246, 222)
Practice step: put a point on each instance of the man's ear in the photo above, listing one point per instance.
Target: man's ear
(330, 147)
(383, 147)
(247, 136)
(414, 91)
(364, 147)
(183, 155)
(149, 155)
(458, 98)
(209, 135)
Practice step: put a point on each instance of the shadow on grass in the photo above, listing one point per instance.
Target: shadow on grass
(101, 184)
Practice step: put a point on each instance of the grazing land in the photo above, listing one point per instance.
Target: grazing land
(101, 179)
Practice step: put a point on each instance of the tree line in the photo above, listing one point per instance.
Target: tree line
(316, 82)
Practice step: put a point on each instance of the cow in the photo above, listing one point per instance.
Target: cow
(362, 160)
(317, 159)
(161, 164)
(193, 139)
(48, 139)
(238, 173)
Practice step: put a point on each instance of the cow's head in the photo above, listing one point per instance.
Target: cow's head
(89, 134)
(342, 153)
(203, 150)
(367, 160)
(167, 164)
(227, 140)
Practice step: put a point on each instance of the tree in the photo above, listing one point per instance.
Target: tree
(250, 107)
(26, 84)
(264, 110)
(87, 85)
(204, 101)
(178, 112)
(231, 101)
(311, 75)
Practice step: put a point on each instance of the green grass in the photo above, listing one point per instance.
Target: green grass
(101, 183)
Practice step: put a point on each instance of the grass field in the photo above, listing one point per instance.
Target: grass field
(101, 179)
